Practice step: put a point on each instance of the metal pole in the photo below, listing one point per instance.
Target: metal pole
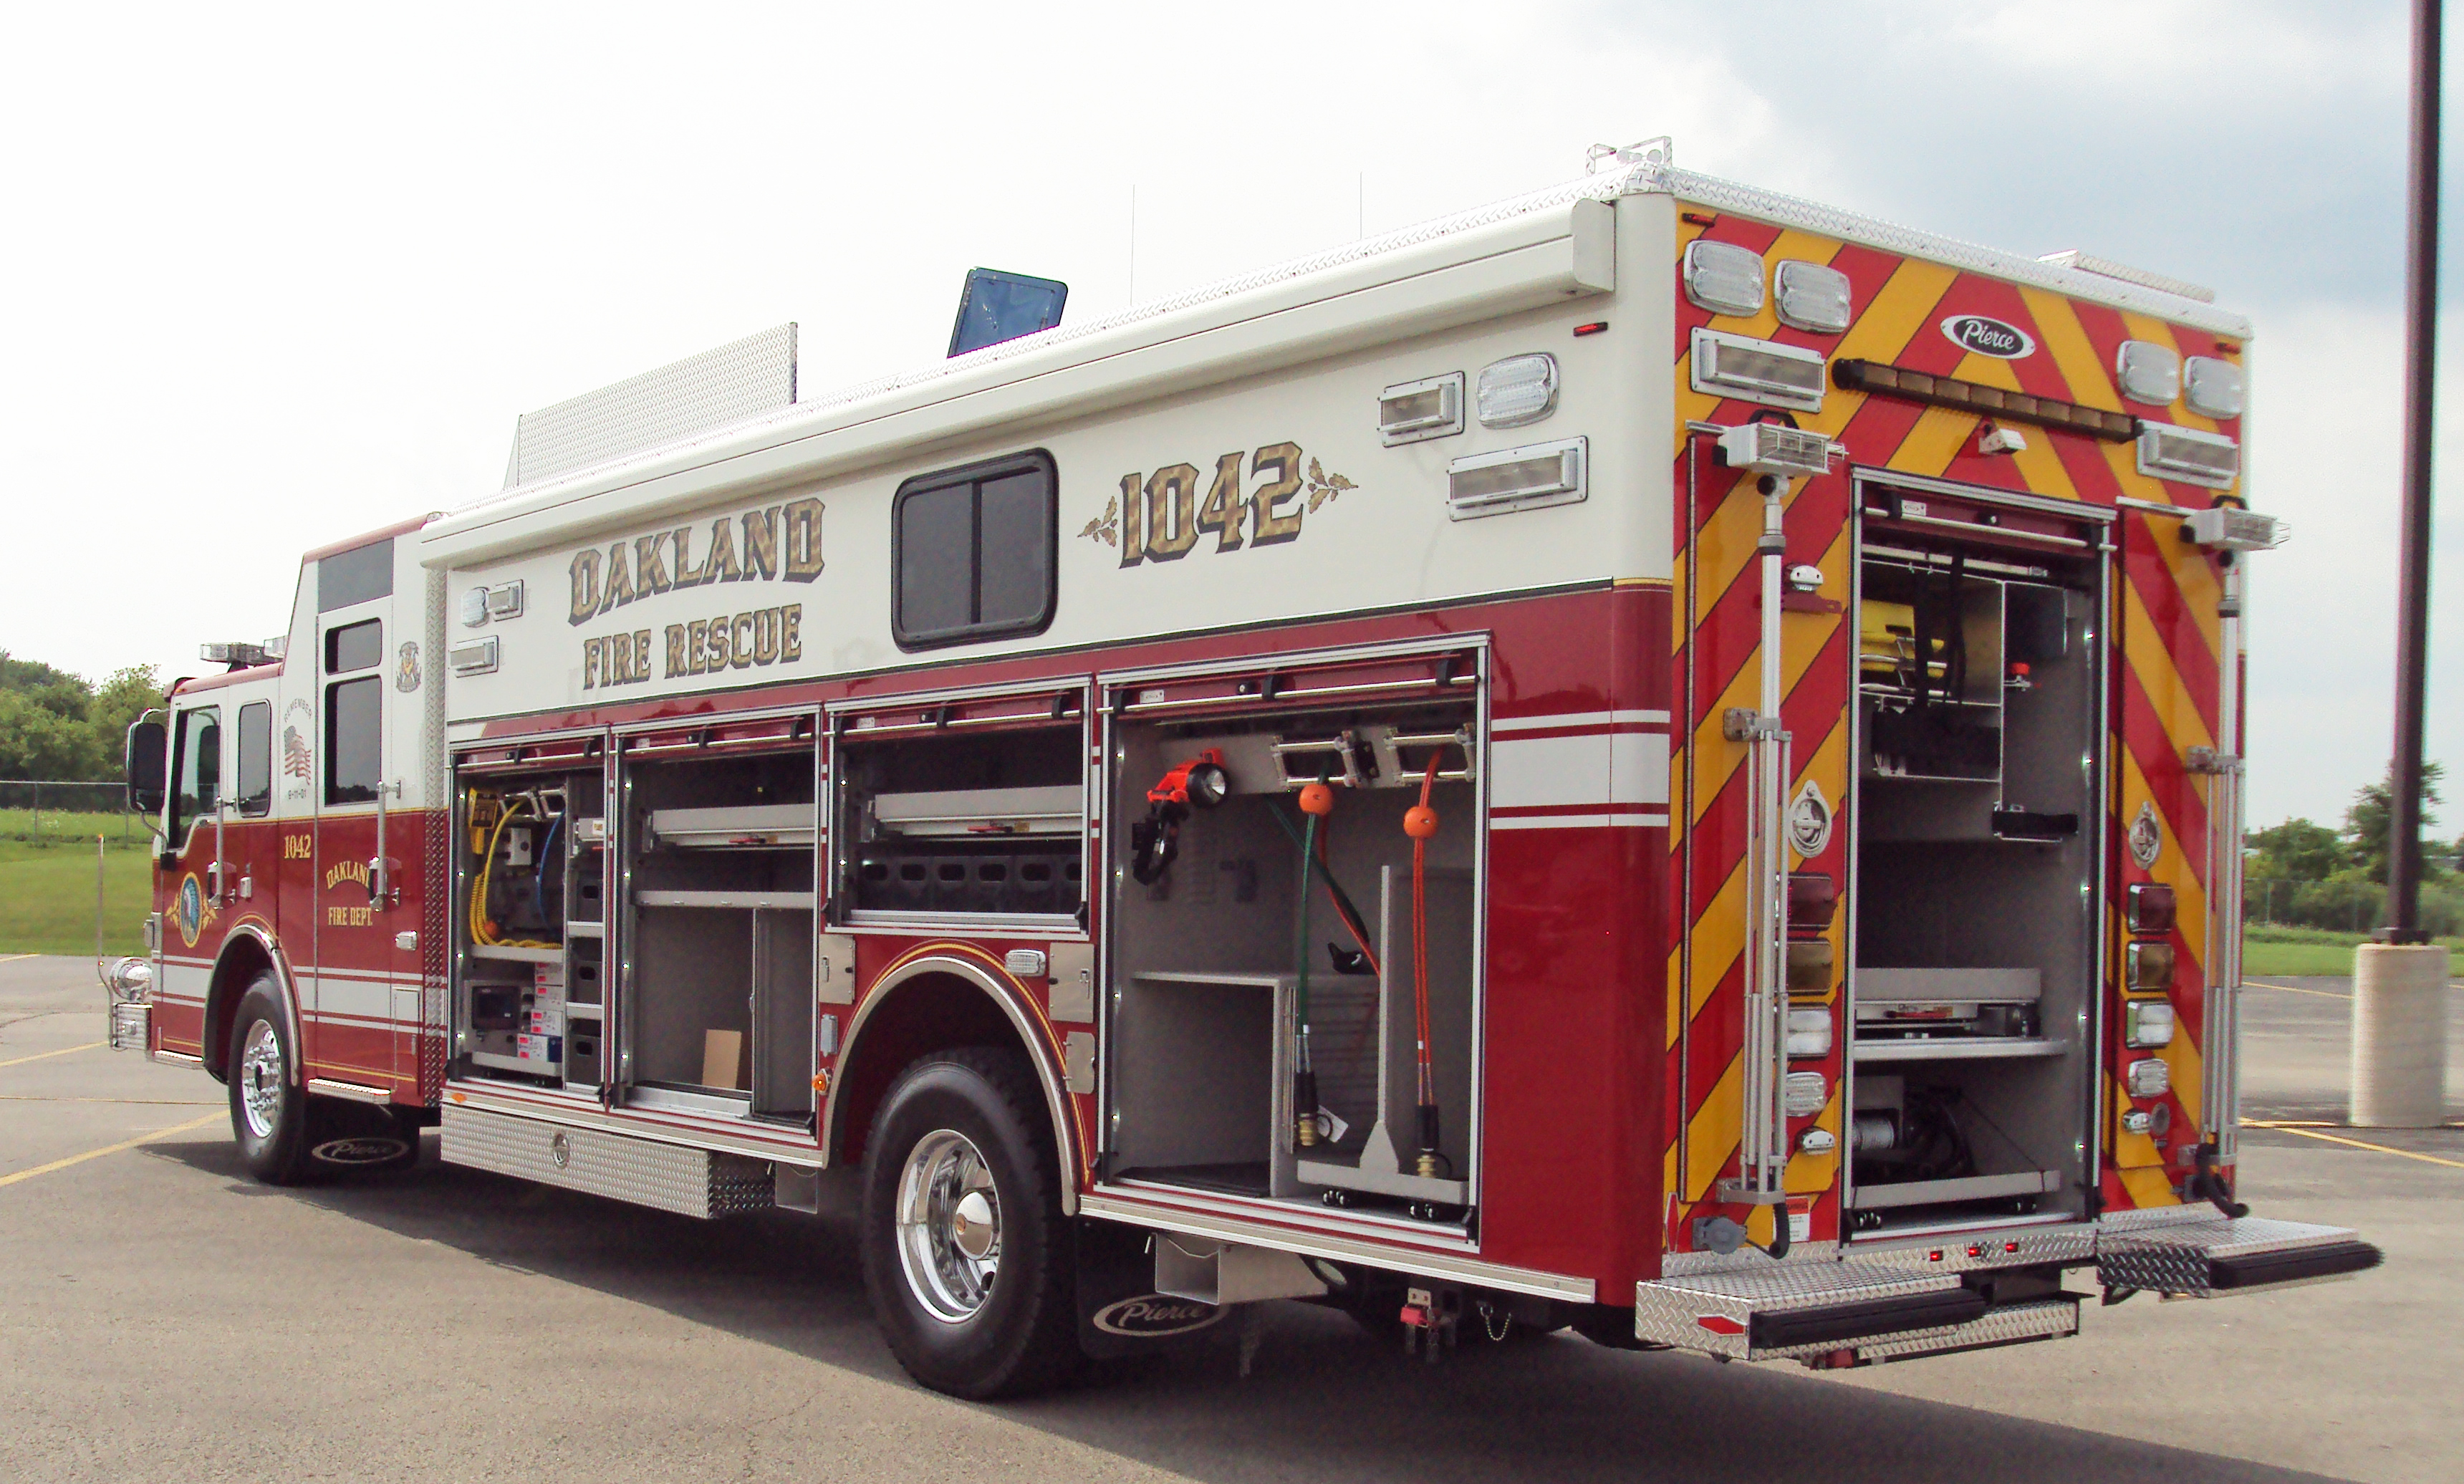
(2412, 561)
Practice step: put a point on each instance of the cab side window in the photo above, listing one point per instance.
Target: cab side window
(354, 753)
(255, 760)
(197, 778)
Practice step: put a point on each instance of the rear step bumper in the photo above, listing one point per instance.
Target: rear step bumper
(1870, 1309)
(1819, 1308)
(2214, 1255)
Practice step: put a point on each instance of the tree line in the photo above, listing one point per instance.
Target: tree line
(59, 726)
(2309, 875)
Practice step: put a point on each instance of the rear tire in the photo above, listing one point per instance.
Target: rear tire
(967, 1256)
(269, 1107)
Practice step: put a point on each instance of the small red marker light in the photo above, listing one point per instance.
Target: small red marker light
(1976, 1250)
(1593, 328)
(1934, 1255)
(1719, 1324)
(2009, 1247)
(1702, 219)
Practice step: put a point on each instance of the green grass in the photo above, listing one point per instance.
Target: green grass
(2275, 948)
(51, 826)
(47, 896)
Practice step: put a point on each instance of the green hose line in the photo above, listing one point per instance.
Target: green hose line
(1301, 942)
(1342, 899)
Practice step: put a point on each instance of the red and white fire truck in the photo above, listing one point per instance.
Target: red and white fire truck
(1653, 757)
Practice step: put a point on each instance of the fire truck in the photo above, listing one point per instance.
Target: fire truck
(1655, 759)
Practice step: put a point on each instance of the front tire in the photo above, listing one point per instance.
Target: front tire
(967, 1256)
(269, 1108)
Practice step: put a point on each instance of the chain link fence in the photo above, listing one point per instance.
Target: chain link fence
(47, 812)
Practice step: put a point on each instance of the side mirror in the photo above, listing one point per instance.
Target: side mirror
(148, 771)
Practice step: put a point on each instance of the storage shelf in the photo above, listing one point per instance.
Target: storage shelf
(739, 900)
(519, 955)
(574, 927)
(740, 827)
(1969, 1187)
(1950, 1048)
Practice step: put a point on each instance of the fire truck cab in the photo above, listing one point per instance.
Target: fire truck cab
(1653, 757)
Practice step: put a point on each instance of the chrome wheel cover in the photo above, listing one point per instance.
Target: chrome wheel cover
(948, 1226)
(260, 1079)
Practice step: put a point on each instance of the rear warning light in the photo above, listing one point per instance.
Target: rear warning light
(2149, 966)
(1813, 896)
(1719, 1324)
(1416, 410)
(2147, 1024)
(2148, 907)
(1723, 277)
(1491, 484)
(2189, 455)
(1593, 328)
(1808, 966)
(2149, 1077)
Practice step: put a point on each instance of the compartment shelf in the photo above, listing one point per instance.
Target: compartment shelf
(519, 955)
(790, 900)
(1946, 1048)
(1966, 1188)
(738, 827)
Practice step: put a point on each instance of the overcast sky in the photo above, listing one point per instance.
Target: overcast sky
(273, 276)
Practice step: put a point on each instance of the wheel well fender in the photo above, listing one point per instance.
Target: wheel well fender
(940, 1002)
(247, 952)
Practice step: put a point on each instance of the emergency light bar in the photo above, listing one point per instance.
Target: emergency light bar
(2234, 529)
(237, 656)
(2189, 455)
(1764, 371)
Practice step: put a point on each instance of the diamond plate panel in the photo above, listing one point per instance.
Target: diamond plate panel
(2178, 1256)
(1691, 1313)
(2070, 1246)
(642, 1171)
(720, 386)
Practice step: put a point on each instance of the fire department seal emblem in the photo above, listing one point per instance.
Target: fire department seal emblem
(299, 759)
(2147, 837)
(406, 675)
(189, 913)
(1809, 821)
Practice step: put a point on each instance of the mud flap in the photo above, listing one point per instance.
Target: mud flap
(2212, 1255)
(1119, 1312)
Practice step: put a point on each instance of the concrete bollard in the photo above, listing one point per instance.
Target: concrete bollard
(2399, 1035)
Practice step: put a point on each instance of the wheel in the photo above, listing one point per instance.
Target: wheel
(268, 1111)
(966, 1253)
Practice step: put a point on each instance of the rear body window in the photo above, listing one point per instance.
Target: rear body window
(354, 646)
(354, 577)
(353, 749)
(973, 550)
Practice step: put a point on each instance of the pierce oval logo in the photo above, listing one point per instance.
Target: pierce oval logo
(1988, 337)
(1150, 1315)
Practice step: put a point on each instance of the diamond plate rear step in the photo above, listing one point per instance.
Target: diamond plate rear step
(2212, 1255)
(1821, 1308)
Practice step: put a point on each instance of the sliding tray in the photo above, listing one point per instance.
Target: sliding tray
(739, 828)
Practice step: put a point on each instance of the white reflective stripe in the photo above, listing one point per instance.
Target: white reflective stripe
(1583, 822)
(1602, 767)
(353, 997)
(1574, 719)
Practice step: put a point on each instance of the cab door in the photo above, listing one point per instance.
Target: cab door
(195, 919)
(363, 978)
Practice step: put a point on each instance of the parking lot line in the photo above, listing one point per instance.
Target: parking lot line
(40, 1055)
(93, 1154)
(2311, 1133)
(2293, 989)
(10, 958)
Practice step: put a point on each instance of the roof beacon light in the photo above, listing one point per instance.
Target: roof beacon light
(1517, 390)
(2234, 529)
(2189, 455)
(1723, 277)
(2213, 387)
(2148, 372)
(1810, 296)
(1764, 371)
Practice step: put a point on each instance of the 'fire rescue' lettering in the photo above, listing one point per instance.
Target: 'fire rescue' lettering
(703, 646)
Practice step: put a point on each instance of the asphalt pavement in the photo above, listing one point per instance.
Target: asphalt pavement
(164, 1318)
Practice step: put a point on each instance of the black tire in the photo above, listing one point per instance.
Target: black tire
(1021, 1334)
(269, 1108)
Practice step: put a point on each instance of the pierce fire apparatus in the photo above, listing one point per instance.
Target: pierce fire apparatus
(1656, 757)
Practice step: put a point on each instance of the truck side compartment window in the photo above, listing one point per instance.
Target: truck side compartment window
(354, 646)
(974, 551)
(358, 576)
(255, 758)
(198, 771)
(353, 753)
